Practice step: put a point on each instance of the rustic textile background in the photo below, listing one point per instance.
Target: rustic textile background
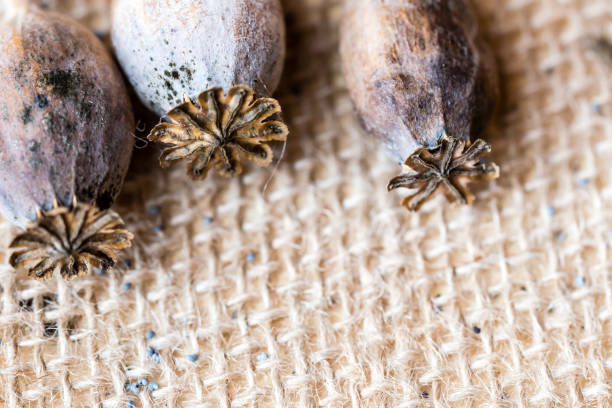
(320, 290)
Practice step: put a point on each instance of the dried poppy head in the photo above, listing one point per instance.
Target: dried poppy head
(209, 67)
(424, 83)
(65, 144)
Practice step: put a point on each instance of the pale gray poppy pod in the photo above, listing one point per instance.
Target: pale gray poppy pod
(209, 68)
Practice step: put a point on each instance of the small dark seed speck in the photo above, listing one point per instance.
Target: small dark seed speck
(26, 115)
(41, 101)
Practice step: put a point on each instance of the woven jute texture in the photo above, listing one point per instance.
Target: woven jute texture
(310, 286)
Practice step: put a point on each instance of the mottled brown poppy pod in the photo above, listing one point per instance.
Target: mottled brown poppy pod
(424, 83)
(225, 52)
(65, 143)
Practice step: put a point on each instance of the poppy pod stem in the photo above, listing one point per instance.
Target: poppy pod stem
(448, 167)
(219, 128)
(70, 241)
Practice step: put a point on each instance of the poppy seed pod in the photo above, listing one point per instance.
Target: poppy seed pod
(208, 66)
(65, 143)
(423, 83)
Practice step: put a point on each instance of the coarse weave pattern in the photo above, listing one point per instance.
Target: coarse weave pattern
(320, 290)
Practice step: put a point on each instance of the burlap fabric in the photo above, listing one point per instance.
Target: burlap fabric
(320, 290)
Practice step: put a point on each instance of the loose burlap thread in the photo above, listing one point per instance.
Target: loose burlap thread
(319, 289)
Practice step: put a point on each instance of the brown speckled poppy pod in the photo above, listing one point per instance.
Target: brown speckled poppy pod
(65, 143)
(424, 83)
